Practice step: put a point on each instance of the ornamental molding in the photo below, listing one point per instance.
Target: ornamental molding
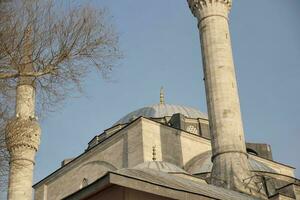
(22, 133)
(201, 4)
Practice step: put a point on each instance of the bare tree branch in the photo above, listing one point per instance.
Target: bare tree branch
(47, 70)
(67, 43)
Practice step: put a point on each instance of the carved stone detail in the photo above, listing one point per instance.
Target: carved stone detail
(205, 3)
(192, 129)
(23, 132)
(205, 8)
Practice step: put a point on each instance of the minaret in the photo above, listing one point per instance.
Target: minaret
(23, 132)
(230, 160)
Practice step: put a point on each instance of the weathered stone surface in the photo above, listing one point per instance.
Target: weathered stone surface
(261, 150)
(118, 151)
(22, 139)
(127, 148)
(230, 164)
(23, 132)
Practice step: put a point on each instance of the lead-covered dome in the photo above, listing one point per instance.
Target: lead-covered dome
(160, 166)
(162, 110)
(202, 164)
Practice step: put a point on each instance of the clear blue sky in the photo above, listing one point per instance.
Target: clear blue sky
(161, 47)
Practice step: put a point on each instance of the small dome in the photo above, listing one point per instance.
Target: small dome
(162, 110)
(160, 166)
(202, 164)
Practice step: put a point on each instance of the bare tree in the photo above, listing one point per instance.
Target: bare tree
(47, 49)
(4, 155)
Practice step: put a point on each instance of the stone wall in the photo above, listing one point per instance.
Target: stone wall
(127, 148)
(120, 150)
(120, 193)
(174, 146)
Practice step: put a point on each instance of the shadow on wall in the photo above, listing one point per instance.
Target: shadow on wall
(171, 148)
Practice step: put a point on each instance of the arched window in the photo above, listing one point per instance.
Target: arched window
(84, 183)
(251, 151)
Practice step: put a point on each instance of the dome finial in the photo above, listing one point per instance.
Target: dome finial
(162, 95)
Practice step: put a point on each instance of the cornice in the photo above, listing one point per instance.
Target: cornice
(205, 3)
(205, 8)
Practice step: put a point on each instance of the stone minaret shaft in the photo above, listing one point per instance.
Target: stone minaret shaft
(23, 132)
(230, 163)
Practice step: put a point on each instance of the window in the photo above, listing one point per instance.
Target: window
(84, 183)
(251, 151)
(192, 129)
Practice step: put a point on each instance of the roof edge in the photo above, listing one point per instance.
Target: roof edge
(82, 154)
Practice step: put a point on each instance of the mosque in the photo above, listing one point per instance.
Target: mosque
(165, 151)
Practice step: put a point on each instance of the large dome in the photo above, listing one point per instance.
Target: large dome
(162, 110)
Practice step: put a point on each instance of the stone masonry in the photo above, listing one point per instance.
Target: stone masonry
(230, 163)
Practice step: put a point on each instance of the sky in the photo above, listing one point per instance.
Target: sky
(160, 43)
